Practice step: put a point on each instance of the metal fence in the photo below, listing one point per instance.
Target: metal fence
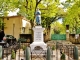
(20, 52)
(67, 49)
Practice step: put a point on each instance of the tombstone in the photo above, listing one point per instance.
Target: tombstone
(38, 43)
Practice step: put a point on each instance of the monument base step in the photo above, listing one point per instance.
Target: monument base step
(39, 52)
(38, 46)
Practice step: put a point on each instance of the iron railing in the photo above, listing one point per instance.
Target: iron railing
(20, 49)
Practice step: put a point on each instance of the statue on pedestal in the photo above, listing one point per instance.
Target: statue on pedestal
(38, 17)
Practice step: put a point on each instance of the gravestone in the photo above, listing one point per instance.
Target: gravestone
(38, 43)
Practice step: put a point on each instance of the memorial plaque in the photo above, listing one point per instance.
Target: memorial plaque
(38, 34)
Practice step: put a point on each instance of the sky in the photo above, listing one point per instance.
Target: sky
(62, 0)
(60, 20)
(13, 13)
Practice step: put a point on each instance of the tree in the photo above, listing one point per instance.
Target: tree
(26, 8)
(5, 7)
(58, 28)
(73, 17)
(2, 24)
(49, 8)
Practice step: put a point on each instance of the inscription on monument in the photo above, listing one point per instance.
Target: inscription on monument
(38, 36)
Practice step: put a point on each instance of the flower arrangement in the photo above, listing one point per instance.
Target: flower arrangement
(4, 38)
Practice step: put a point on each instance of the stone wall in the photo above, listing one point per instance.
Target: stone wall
(74, 38)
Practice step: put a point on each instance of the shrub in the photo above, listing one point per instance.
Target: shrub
(53, 47)
(63, 56)
(13, 55)
(24, 47)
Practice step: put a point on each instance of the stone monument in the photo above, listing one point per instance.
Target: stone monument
(38, 42)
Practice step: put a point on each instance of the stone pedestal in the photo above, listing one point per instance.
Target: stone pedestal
(67, 32)
(67, 35)
(38, 43)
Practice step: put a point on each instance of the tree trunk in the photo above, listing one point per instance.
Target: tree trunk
(48, 34)
(32, 25)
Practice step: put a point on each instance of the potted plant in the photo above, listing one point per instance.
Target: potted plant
(23, 47)
(63, 56)
(53, 50)
(13, 55)
(53, 47)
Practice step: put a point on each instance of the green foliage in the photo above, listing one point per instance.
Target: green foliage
(73, 17)
(48, 9)
(2, 24)
(6, 6)
(22, 40)
(13, 54)
(53, 47)
(27, 8)
(78, 31)
(75, 53)
(63, 56)
(56, 31)
(24, 47)
(57, 28)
